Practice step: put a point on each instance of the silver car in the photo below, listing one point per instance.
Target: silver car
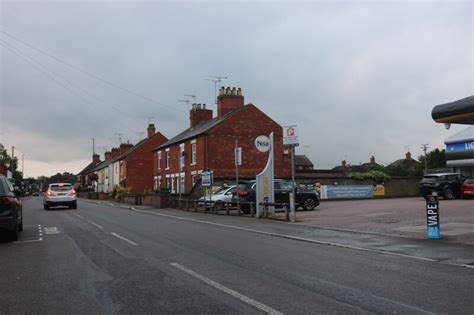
(60, 194)
(219, 197)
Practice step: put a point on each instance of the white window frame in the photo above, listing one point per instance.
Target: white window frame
(167, 159)
(159, 160)
(193, 152)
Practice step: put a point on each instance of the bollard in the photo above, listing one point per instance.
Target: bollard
(215, 207)
(287, 214)
(195, 206)
(187, 205)
(252, 210)
(238, 209)
(432, 217)
(227, 210)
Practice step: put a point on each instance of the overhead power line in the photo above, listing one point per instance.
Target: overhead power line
(38, 66)
(110, 83)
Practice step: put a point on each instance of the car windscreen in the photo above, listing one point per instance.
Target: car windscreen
(429, 179)
(285, 185)
(64, 187)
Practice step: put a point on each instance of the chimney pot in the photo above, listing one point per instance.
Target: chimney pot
(372, 160)
(231, 100)
(151, 130)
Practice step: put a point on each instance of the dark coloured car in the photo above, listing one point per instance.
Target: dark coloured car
(11, 214)
(306, 199)
(447, 185)
(467, 188)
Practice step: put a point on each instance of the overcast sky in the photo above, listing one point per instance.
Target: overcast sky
(358, 78)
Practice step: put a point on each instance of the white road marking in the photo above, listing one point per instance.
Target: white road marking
(124, 239)
(293, 237)
(51, 230)
(77, 215)
(93, 223)
(30, 241)
(243, 298)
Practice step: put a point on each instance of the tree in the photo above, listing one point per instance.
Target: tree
(434, 159)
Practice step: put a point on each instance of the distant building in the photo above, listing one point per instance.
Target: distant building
(130, 166)
(460, 152)
(83, 177)
(365, 167)
(303, 163)
(405, 167)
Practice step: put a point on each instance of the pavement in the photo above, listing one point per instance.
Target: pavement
(106, 258)
(405, 217)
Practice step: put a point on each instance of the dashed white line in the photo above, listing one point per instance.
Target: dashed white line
(95, 224)
(77, 215)
(124, 239)
(243, 298)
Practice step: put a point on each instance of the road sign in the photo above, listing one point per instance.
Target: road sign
(290, 135)
(432, 217)
(262, 143)
(206, 179)
(238, 156)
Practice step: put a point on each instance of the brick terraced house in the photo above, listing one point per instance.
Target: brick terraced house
(130, 165)
(209, 142)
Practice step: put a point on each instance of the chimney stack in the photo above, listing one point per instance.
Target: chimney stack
(115, 153)
(199, 114)
(408, 155)
(343, 163)
(107, 155)
(228, 100)
(124, 147)
(372, 160)
(151, 130)
(96, 158)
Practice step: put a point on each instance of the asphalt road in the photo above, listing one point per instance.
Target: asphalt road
(101, 259)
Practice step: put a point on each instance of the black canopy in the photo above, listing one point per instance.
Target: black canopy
(457, 112)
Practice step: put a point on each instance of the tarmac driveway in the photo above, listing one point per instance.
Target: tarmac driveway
(400, 216)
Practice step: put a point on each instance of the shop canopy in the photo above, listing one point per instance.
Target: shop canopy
(457, 112)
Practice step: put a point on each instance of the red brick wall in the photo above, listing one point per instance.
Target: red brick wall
(138, 166)
(245, 126)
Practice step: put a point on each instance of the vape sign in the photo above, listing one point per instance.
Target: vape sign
(432, 217)
(290, 135)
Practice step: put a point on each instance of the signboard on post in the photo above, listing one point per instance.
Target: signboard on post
(290, 135)
(206, 179)
(265, 189)
(238, 156)
(432, 217)
(262, 143)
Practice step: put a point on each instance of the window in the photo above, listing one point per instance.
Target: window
(181, 156)
(159, 160)
(193, 179)
(193, 153)
(167, 159)
(181, 186)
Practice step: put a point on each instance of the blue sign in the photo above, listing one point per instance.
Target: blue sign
(432, 218)
(460, 146)
(350, 192)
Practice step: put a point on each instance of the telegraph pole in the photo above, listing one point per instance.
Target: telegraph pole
(425, 147)
(13, 158)
(93, 146)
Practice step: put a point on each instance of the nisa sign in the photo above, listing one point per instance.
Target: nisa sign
(460, 146)
(262, 143)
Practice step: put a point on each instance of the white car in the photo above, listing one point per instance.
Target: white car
(60, 194)
(220, 197)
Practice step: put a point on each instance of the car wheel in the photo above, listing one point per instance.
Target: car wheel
(218, 205)
(20, 226)
(73, 205)
(45, 207)
(448, 194)
(309, 204)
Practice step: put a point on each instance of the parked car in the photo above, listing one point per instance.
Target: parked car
(35, 194)
(306, 199)
(220, 197)
(467, 188)
(447, 185)
(11, 213)
(60, 194)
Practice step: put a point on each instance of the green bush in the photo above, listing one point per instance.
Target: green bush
(118, 192)
(161, 190)
(377, 176)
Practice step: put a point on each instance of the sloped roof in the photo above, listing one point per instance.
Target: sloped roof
(457, 112)
(406, 163)
(120, 157)
(88, 168)
(302, 160)
(199, 129)
(464, 135)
